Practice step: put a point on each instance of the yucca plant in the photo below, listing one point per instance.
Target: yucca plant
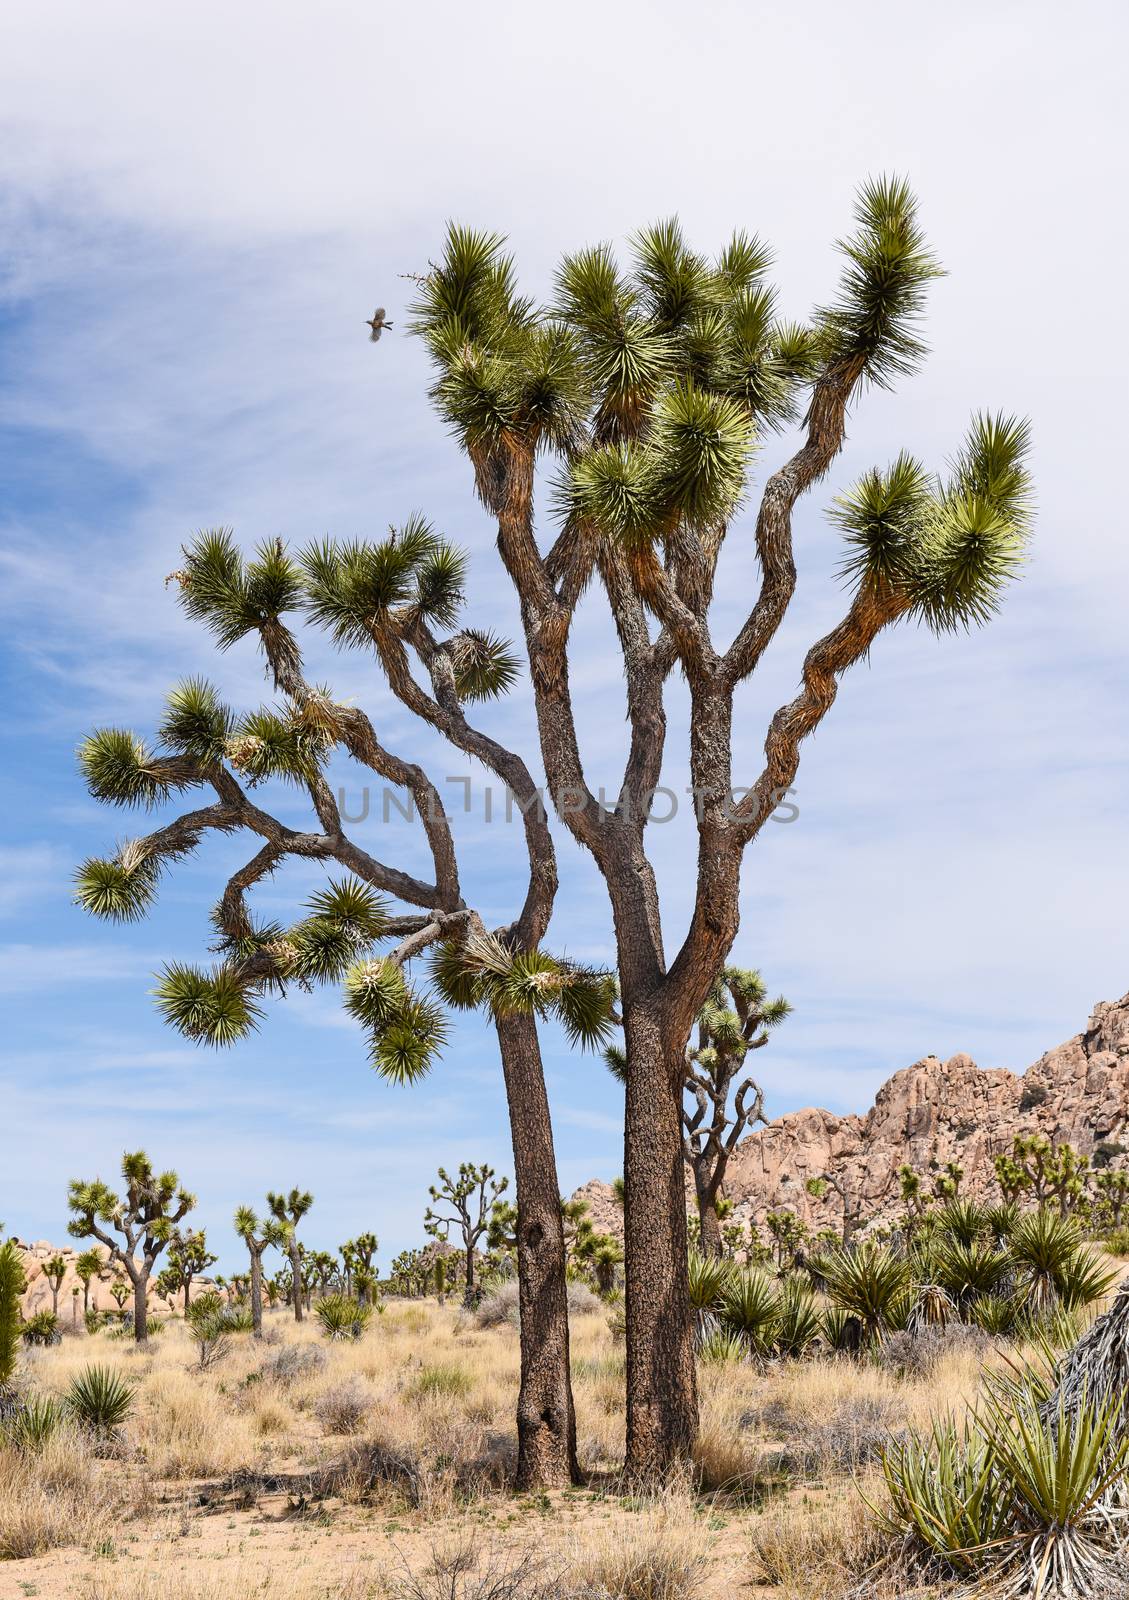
(42, 1328)
(99, 1399)
(33, 1422)
(723, 1345)
(342, 1317)
(839, 1329)
(750, 1309)
(944, 1498)
(994, 1313)
(799, 1324)
(962, 1220)
(871, 1282)
(969, 1270)
(708, 1277)
(1052, 1265)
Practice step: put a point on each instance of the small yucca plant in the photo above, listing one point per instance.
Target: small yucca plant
(342, 1317)
(870, 1282)
(99, 1399)
(42, 1328)
(33, 1422)
(750, 1310)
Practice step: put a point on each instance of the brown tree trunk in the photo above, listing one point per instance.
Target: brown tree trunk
(256, 1294)
(546, 1419)
(662, 1385)
(709, 1226)
(296, 1274)
(141, 1306)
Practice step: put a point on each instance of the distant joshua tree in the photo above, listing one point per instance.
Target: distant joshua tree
(88, 1264)
(55, 1271)
(288, 1211)
(471, 1197)
(258, 1237)
(188, 1257)
(145, 1218)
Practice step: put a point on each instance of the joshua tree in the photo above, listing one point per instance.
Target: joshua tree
(1048, 1171)
(119, 1293)
(258, 1237)
(651, 389)
(88, 1264)
(75, 1292)
(288, 1211)
(362, 1253)
(471, 1197)
(145, 1217)
(398, 598)
(735, 1020)
(55, 1271)
(1113, 1189)
(188, 1256)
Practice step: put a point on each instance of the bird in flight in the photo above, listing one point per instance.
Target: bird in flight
(378, 324)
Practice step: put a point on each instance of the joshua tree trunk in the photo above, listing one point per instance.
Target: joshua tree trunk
(709, 1223)
(256, 1294)
(296, 1275)
(546, 1419)
(662, 1389)
(140, 1282)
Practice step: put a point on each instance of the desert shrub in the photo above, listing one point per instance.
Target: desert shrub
(582, 1300)
(1053, 1266)
(661, 1554)
(499, 1308)
(343, 1407)
(870, 1282)
(1117, 1241)
(722, 1345)
(463, 1573)
(798, 1324)
(55, 1495)
(291, 1363)
(342, 1317)
(99, 1399)
(42, 1328)
(852, 1434)
(440, 1382)
(821, 1544)
(915, 1355)
(749, 1308)
(1013, 1495)
(33, 1422)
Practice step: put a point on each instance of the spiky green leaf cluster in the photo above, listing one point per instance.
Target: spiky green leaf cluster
(406, 1030)
(882, 291)
(946, 549)
(120, 769)
(346, 919)
(482, 972)
(196, 721)
(117, 890)
(231, 596)
(212, 1008)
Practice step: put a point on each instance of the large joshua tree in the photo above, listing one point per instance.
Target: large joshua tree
(288, 1211)
(144, 1219)
(650, 389)
(471, 1197)
(400, 598)
(720, 1101)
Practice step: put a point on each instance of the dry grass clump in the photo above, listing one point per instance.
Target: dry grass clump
(231, 1581)
(187, 1429)
(56, 1495)
(811, 1547)
(659, 1552)
(343, 1407)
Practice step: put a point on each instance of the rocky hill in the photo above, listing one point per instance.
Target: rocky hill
(926, 1115)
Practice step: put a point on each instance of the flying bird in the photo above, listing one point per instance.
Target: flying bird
(378, 324)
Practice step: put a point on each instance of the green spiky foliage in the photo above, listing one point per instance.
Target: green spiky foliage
(1044, 1170)
(55, 1270)
(88, 1265)
(135, 1226)
(188, 1256)
(870, 1282)
(482, 972)
(12, 1284)
(287, 1211)
(42, 1328)
(1053, 1266)
(750, 1309)
(342, 1317)
(469, 1198)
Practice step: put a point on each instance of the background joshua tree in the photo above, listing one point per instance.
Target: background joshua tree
(258, 1237)
(396, 597)
(1047, 1171)
(55, 1270)
(650, 390)
(288, 1210)
(144, 1218)
(362, 1254)
(188, 1256)
(119, 1293)
(735, 1020)
(471, 1196)
(88, 1264)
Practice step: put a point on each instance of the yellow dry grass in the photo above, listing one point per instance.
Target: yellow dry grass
(298, 1469)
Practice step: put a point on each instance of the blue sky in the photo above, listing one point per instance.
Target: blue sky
(198, 211)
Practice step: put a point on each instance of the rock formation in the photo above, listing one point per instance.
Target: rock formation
(925, 1116)
(37, 1295)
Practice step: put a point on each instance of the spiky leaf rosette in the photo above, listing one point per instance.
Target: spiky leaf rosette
(212, 1008)
(120, 769)
(481, 971)
(196, 721)
(349, 588)
(117, 890)
(233, 598)
(406, 1032)
(882, 291)
(346, 919)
